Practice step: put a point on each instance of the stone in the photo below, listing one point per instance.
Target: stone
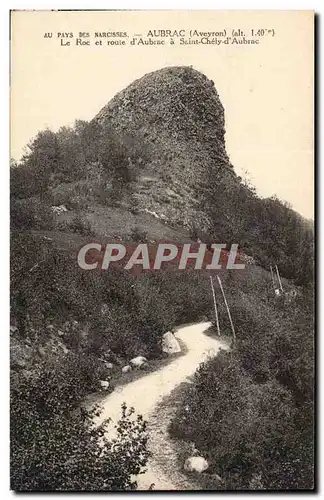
(104, 384)
(126, 369)
(110, 366)
(196, 464)
(247, 259)
(138, 362)
(170, 344)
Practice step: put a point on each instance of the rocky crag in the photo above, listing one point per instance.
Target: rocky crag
(177, 119)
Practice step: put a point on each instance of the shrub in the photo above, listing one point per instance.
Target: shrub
(138, 235)
(250, 411)
(66, 451)
(81, 226)
(245, 430)
(30, 214)
(55, 443)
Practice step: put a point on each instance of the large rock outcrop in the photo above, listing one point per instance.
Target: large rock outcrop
(174, 120)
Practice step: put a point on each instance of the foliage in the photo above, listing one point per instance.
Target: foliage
(250, 411)
(138, 236)
(268, 229)
(48, 286)
(57, 446)
(109, 162)
(83, 152)
(30, 214)
(80, 226)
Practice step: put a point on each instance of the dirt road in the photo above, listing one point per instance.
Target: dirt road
(147, 392)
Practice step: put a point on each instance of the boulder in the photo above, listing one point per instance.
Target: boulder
(126, 369)
(138, 362)
(195, 464)
(104, 384)
(110, 366)
(170, 344)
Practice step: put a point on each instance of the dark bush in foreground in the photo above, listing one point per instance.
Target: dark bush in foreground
(56, 446)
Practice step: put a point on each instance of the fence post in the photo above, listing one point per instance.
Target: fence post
(272, 278)
(279, 278)
(227, 308)
(215, 305)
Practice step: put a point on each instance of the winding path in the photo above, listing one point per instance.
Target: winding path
(147, 392)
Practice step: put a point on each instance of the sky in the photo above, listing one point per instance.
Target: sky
(266, 89)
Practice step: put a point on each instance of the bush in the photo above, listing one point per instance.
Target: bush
(30, 214)
(63, 380)
(80, 226)
(68, 452)
(138, 235)
(55, 443)
(245, 430)
(250, 411)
